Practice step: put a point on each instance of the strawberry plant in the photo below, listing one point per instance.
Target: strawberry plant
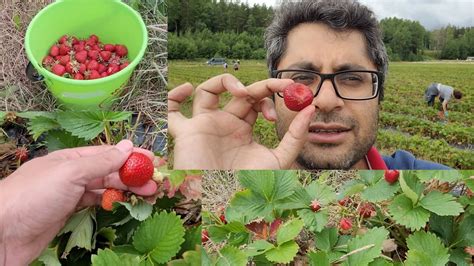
(367, 220)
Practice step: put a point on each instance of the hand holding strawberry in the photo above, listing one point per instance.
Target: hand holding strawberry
(39, 197)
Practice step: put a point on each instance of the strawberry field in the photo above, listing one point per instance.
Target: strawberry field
(161, 228)
(405, 120)
(338, 218)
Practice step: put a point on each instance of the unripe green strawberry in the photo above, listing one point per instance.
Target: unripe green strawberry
(110, 196)
(297, 96)
(137, 170)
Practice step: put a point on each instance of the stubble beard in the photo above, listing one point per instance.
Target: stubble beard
(307, 159)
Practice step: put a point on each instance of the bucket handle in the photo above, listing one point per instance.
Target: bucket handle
(32, 74)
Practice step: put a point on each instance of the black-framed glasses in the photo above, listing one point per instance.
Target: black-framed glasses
(355, 85)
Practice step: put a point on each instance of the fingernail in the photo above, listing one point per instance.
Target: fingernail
(124, 146)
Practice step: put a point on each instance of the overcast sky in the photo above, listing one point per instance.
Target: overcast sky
(432, 14)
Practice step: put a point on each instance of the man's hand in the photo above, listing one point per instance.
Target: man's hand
(215, 138)
(38, 198)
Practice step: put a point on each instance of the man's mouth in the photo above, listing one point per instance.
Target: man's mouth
(328, 133)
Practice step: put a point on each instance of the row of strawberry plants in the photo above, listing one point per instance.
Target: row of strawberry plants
(452, 133)
(377, 218)
(426, 113)
(408, 99)
(425, 148)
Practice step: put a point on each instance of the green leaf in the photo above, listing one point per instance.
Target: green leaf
(407, 190)
(217, 233)
(283, 253)
(106, 257)
(460, 257)
(49, 257)
(81, 226)
(230, 256)
(363, 254)
(289, 230)
(108, 233)
(326, 239)
(380, 191)
(380, 262)
(321, 192)
(441, 204)
(205, 260)
(192, 239)
(250, 205)
(33, 114)
(260, 182)
(441, 175)
(443, 226)
(370, 176)
(190, 258)
(40, 124)
(464, 236)
(125, 249)
(420, 254)
(351, 187)
(258, 247)
(285, 183)
(177, 177)
(140, 211)
(88, 125)
(405, 214)
(60, 139)
(160, 236)
(318, 258)
(315, 221)
(298, 200)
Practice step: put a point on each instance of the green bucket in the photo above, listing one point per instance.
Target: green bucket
(112, 21)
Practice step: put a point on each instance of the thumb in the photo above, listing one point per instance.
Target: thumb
(295, 138)
(103, 164)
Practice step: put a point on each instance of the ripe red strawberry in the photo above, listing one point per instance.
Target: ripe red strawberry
(74, 40)
(21, 154)
(58, 69)
(78, 76)
(124, 65)
(48, 61)
(109, 47)
(81, 56)
(93, 65)
(110, 196)
(93, 54)
(297, 96)
(94, 38)
(78, 48)
(204, 236)
(345, 224)
(105, 55)
(367, 210)
(391, 176)
(63, 39)
(112, 69)
(54, 51)
(137, 170)
(64, 60)
(121, 50)
(94, 74)
(102, 68)
(315, 205)
(64, 49)
(222, 218)
(82, 68)
(345, 201)
(70, 68)
(103, 74)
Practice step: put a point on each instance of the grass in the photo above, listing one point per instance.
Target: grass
(405, 87)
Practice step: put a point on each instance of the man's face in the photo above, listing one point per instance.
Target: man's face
(343, 130)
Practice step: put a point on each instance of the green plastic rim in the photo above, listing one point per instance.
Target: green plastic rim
(112, 20)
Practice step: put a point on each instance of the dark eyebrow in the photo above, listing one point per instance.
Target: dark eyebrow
(350, 67)
(305, 65)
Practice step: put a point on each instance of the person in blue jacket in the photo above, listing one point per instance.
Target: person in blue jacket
(335, 48)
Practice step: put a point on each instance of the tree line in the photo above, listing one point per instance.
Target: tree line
(232, 29)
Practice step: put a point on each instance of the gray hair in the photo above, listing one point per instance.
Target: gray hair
(339, 15)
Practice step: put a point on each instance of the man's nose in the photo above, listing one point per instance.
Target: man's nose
(327, 100)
